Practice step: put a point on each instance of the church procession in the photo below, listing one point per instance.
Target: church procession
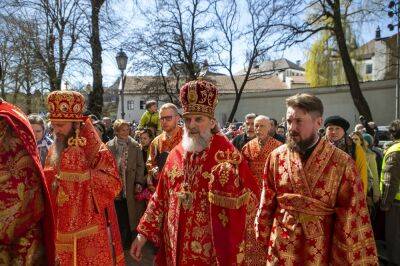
(306, 194)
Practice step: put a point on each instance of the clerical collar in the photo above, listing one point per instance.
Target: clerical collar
(308, 151)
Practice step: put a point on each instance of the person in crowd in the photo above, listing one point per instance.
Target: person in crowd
(232, 132)
(336, 127)
(281, 131)
(163, 144)
(26, 217)
(390, 183)
(359, 128)
(43, 142)
(256, 152)
(100, 129)
(272, 132)
(321, 132)
(130, 162)
(240, 140)
(150, 119)
(84, 181)
(197, 215)
(145, 139)
(93, 118)
(109, 132)
(313, 210)
(364, 141)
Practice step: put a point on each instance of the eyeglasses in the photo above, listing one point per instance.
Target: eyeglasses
(167, 118)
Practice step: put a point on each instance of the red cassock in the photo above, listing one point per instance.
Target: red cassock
(84, 186)
(314, 213)
(256, 156)
(198, 213)
(26, 218)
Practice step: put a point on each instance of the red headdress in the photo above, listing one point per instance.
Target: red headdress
(199, 97)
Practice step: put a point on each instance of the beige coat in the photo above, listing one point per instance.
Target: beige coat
(134, 175)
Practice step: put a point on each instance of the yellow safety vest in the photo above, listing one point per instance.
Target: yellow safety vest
(393, 148)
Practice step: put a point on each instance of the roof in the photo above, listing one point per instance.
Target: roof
(138, 84)
(275, 65)
(367, 50)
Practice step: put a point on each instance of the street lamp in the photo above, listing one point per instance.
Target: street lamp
(394, 10)
(122, 60)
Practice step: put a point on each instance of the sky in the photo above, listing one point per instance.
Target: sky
(130, 17)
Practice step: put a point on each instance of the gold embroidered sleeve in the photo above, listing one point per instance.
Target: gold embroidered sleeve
(105, 182)
(353, 238)
(268, 204)
(151, 222)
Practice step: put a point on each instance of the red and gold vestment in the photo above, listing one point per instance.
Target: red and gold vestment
(161, 144)
(314, 213)
(26, 220)
(256, 156)
(85, 183)
(198, 213)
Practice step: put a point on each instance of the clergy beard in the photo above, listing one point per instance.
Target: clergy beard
(300, 146)
(195, 141)
(60, 143)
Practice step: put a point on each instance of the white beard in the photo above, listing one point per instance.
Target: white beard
(195, 143)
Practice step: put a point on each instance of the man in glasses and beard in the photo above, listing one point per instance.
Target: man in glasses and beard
(84, 181)
(313, 210)
(197, 216)
(162, 145)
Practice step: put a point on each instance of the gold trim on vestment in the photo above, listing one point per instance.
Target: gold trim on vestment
(68, 241)
(74, 176)
(228, 202)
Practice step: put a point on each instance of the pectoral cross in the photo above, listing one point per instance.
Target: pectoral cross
(185, 197)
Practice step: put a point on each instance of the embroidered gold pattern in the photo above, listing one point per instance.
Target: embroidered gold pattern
(62, 198)
(174, 173)
(228, 202)
(224, 219)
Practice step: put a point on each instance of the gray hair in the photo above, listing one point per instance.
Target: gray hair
(250, 116)
(262, 117)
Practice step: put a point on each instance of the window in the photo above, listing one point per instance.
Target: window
(131, 105)
(142, 105)
(368, 69)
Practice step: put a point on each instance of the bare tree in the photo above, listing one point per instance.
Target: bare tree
(260, 36)
(53, 28)
(172, 43)
(328, 15)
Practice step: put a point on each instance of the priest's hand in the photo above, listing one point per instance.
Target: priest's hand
(136, 247)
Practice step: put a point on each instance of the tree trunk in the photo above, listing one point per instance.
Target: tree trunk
(351, 74)
(234, 107)
(95, 105)
(28, 99)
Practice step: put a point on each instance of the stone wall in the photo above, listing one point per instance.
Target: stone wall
(337, 101)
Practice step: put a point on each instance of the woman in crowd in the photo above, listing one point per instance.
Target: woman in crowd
(365, 140)
(43, 142)
(129, 158)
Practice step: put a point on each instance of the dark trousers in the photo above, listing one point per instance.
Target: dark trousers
(392, 233)
(121, 208)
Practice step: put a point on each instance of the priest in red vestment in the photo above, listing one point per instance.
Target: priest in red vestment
(313, 210)
(26, 219)
(197, 215)
(256, 152)
(84, 182)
